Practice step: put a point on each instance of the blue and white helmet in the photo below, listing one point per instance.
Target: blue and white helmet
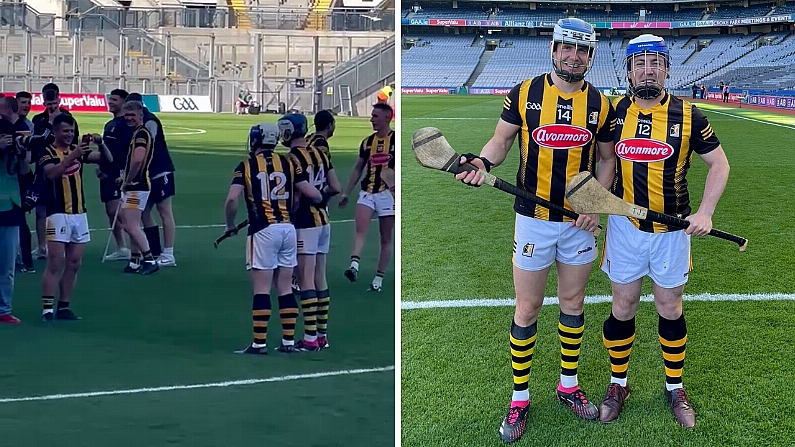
(263, 136)
(640, 47)
(292, 126)
(578, 33)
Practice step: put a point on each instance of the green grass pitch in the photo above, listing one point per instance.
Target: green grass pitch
(457, 242)
(180, 327)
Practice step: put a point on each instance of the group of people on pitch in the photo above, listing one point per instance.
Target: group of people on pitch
(135, 173)
(640, 148)
(287, 197)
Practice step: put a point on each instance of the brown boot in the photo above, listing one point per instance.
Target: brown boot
(613, 402)
(681, 407)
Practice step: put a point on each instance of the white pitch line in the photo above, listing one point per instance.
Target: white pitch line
(411, 305)
(748, 119)
(451, 118)
(191, 130)
(346, 372)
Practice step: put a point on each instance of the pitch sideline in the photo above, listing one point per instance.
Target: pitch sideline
(345, 372)
(595, 299)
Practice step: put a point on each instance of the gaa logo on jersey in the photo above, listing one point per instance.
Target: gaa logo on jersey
(561, 136)
(380, 159)
(73, 169)
(643, 150)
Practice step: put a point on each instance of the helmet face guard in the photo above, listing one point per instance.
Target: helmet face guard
(647, 53)
(263, 136)
(580, 34)
(292, 126)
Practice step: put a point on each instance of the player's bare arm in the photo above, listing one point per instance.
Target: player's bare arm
(104, 152)
(356, 174)
(717, 177)
(334, 186)
(53, 171)
(309, 191)
(230, 207)
(494, 151)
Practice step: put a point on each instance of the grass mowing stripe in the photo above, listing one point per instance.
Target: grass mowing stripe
(345, 372)
(411, 305)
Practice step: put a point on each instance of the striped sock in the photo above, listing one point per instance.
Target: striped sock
(322, 311)
(309, 308)
(288, 313)
(260, 315)
(570, 332)
(522, 342)
(617, 337)
(673, 340)
(47, 303)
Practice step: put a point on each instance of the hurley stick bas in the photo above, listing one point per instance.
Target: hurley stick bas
(227, 234)
(587, 195)
(432, 150)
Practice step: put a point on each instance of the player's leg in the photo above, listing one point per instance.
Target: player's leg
(56, 231)
(41, 232)
(110, 195)
(365, 207)
(670, 268)
(134, 204)
(164, 209)
(321, 283)
(79, 236)
(534, 253)
(288, 307)
(386, 224)
(261, 280)
(626, 262)
(151, 230)
(307, 240)
(575, 255)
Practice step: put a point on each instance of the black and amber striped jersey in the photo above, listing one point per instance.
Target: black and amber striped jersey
(557, 139)
(379, 154)
(268, 180)
(140, 138)
(316, 164)
(318, 142)
(64, 195)
(654, 148)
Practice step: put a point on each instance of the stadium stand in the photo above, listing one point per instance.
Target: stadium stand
(754, 55)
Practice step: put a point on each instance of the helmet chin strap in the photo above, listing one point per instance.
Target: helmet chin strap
(646, 91)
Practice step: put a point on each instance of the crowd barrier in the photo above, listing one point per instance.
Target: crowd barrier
(96, 103)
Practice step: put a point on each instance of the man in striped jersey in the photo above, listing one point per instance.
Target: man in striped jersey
(377, 154)
(563, 122)
(656, 135)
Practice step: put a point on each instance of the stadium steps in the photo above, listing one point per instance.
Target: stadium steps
(484, 59)
(319, 14)
(241, 12)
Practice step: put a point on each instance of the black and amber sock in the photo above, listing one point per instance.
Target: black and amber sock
(523, 343)
(617, 337)
(673, 340)
(288, 313)
(570, 332)
(260, 315)
(323, 300)
(47, 304)
(149, 256)
(309, 308)
(355, 262)
(153, 236)
(136, 258)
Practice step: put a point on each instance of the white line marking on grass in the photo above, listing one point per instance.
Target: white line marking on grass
(451, 118)
(190, 131)
(749, 119)
(410, 305)
(345, 372)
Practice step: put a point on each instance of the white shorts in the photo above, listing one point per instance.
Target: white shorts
(134, 200)
(382, 202)
(271, 247)
(631, 254)
(538, 243)
(312, 241)
(68, 228)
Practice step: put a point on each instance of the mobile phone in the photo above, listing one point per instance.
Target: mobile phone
(86, 139)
